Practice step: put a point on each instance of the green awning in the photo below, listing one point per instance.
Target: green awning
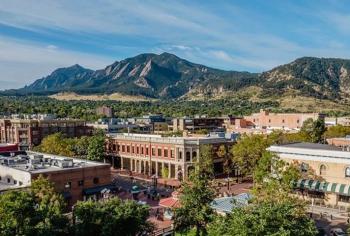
(316, 185)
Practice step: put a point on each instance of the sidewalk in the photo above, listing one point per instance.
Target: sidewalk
(328, 212)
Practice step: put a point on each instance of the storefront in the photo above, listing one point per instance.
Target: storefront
(324, 192)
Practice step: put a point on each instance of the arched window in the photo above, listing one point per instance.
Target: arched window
(347, 172)
(188, 156)
(323, 170)
(304, 167)
(194, 155)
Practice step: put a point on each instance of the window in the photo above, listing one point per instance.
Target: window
(194, 155)
(96, 180)
(8, 180)
(282, 121)
(142, 150)
(137, 150)
(343, 198)
(347, 172)
(128, 149)
(153, 151)
(123, 148)
(147, 151)
(304, 167)
(323, 170)
(188, 156)
(68, 185)
(165, 152)
(81, 183)
(15, 182)
(172, 153)
(269, 120)
(114, 147)
(159, 152)
(298, 121)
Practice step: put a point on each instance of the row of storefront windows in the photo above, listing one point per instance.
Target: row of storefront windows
(155, 151)
(322, 195)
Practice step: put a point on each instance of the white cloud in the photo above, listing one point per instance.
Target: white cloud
(226, 37)
(22, 62)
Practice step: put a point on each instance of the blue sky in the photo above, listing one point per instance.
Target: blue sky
(37, 36)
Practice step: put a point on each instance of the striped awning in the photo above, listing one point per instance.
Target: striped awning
(321, 186)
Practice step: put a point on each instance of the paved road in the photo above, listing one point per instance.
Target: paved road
(328, 218)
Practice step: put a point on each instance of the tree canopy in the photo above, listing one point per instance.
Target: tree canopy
(111, 217)
(247, 152)
(89, 147)
(269, 218)
(196, 196)
(38, 211)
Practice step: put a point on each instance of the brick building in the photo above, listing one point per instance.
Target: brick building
(198, 123)
(29, 132)
(343, 143)
(76, 179)
(149, 154)
(265, 122)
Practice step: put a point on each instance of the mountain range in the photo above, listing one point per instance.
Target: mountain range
(166, 76)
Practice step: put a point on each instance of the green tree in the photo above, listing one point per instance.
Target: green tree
(80, 146)
(17, 214)
(38, 211)
(96, 148)
(337, 131)
(247, 152)
(274, 178)
(280, 137)
(314, 130)
(268, 218)
(55, 144)
(195, 210)
(50, 207)
(111, 217)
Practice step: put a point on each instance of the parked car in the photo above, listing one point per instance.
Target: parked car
(337, 232)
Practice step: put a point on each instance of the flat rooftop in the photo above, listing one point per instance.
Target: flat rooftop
(316, 146)
(35, 162)
(161, 139)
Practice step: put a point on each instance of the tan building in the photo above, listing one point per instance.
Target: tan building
(330, 166)
(29, 132)
(284, 121)
(343, 143)
(76, 179)
(330, 121)
(265, 122)
(105, 111)
(150, 154)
